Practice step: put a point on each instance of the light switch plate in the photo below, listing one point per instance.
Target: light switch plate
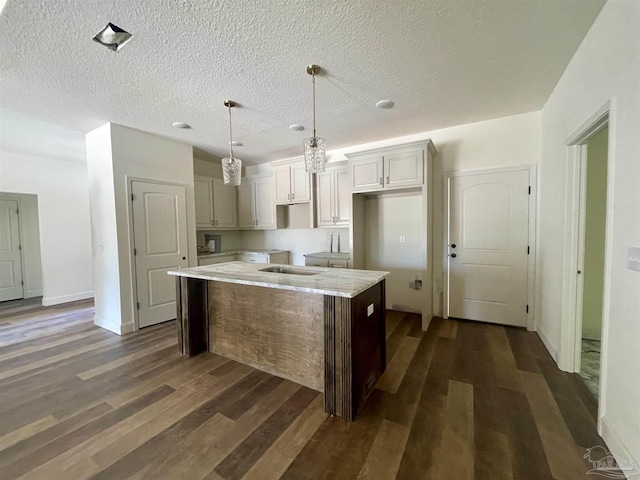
(633, 258)
(370, 310)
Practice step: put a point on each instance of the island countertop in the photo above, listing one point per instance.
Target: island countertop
(337, 282)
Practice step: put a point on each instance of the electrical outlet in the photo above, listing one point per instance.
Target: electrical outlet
(633, 258)
(370, 310)
(403, 239)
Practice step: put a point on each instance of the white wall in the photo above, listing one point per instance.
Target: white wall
(64, 222)
(605, 68)
(30, 242)
(386, 217)
(116, 155)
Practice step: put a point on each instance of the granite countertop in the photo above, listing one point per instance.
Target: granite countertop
(246, 251)
(329, 281)
(341, 255)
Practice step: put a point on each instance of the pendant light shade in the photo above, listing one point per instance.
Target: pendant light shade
(315, 151)
(231, 166)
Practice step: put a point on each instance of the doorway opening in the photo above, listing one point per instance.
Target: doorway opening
(587, 267)
(20, 263)
(591, 256)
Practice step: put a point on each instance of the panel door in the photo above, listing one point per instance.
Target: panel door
(488, 236)
(300, 183)
(264, 206)
(224, 205)
(404, 169)
(342, 197)
(10, 253)
(160, 240)
(246, 204)
(203, 192)
(325, 198)
(366, 174)
(282, 185)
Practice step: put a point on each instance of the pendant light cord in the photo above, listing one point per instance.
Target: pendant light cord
(231, 136)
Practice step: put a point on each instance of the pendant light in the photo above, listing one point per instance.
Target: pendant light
(315, 152)
(231, 167)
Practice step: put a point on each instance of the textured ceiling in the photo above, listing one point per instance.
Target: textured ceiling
(442, 62)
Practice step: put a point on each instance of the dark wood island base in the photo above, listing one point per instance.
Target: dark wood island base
(332, 344)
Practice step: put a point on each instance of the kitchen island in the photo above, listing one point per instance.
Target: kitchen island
(323, 328)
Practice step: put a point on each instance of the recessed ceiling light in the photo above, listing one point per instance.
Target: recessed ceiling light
(236, 143)
(112, 37)
(384, 104)
(297, 127)
(181, 125)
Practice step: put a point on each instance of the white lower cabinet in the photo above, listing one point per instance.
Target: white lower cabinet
(214, 260)
(253, 257)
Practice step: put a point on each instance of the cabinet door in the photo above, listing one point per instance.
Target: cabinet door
(325, 198)
(246, 204)
(342, 210)
(300, 184)
(202, 189)
(366, 174)
(282, 185)
(224, 205)
(404, 169)
(264, 206)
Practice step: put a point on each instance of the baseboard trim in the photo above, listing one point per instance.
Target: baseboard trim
(112, 326)
(618, 448)
(547, 343)
(32, 293)
(74, 297)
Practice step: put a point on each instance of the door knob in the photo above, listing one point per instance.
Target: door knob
(453, 245)
(453, 255)
(184, 258)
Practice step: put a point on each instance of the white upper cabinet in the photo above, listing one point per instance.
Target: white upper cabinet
(333, 200)
(367, 173)
(404, 169)
(203, 193)
(215, 203)
(292, 184)
(255, 203)
(224, 205)
(389, 168)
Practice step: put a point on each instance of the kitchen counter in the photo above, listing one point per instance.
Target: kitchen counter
(329, 281)
(341, 255)
(245, 251)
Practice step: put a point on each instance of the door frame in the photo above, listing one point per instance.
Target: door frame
(532, 169)
(574, 238)
(132, 261)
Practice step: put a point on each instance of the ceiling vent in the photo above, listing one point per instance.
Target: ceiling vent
(112, 37)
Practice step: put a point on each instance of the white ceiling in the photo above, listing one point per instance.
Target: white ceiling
(442, 62)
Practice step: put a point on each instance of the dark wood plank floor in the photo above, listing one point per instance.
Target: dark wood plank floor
(463, 400)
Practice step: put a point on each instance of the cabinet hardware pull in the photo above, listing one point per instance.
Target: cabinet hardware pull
(387, 180)
(380, 181)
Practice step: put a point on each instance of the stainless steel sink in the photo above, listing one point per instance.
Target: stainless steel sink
(290, 271)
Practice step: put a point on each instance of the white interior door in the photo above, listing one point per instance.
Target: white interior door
(160, 242)
(10, 255)
(488, 247)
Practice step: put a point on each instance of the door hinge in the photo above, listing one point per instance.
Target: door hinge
(21, 282)
(137, 305)
(528, 250)
(133, 197)
(527, 308)
(17, 211)
(529, 190)
(135, 252)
